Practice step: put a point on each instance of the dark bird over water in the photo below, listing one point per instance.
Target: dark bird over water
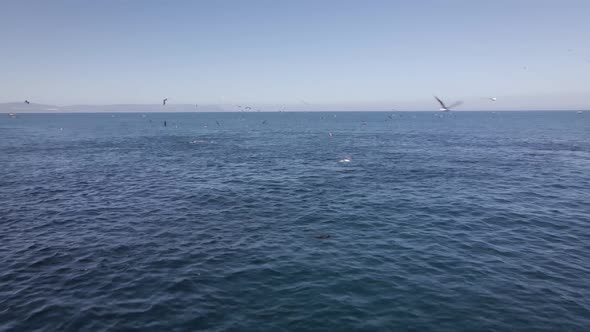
(264, 122)
(218, 124)
(322, 236)
(446, 108)
(27, 102)
(164, 101)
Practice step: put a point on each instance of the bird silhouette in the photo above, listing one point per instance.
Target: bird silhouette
(446, 108)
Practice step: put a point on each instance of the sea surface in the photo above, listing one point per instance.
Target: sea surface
(461, 221)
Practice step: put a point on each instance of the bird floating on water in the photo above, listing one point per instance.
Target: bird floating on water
(322, 236)
(446, 108)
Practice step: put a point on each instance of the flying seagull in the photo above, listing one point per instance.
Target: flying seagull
(164, 101)
(27, 102)
(446, 108)
(493, 98)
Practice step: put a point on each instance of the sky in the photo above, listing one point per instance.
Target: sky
(530, 54)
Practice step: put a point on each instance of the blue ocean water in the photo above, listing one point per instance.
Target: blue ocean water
(466, 221)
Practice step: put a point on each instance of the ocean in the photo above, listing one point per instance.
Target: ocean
(350, 221)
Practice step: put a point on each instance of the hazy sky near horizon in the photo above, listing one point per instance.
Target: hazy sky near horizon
(395, 54)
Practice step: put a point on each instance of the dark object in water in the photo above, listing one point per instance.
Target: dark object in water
(165, 124)
(322, 236)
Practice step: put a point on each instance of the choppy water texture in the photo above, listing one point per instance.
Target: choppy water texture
(455, 222)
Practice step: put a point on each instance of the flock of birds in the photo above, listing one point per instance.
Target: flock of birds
(443, 106)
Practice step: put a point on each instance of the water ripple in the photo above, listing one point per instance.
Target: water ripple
(442, 224)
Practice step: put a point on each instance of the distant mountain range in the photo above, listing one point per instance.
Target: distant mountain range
(574, 102)
(42, 108)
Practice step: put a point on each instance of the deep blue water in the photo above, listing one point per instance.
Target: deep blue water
(456, 222)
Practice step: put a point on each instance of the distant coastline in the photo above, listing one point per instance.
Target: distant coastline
(229, 108)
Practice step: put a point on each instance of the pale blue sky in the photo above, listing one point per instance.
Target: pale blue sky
(396, 53)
